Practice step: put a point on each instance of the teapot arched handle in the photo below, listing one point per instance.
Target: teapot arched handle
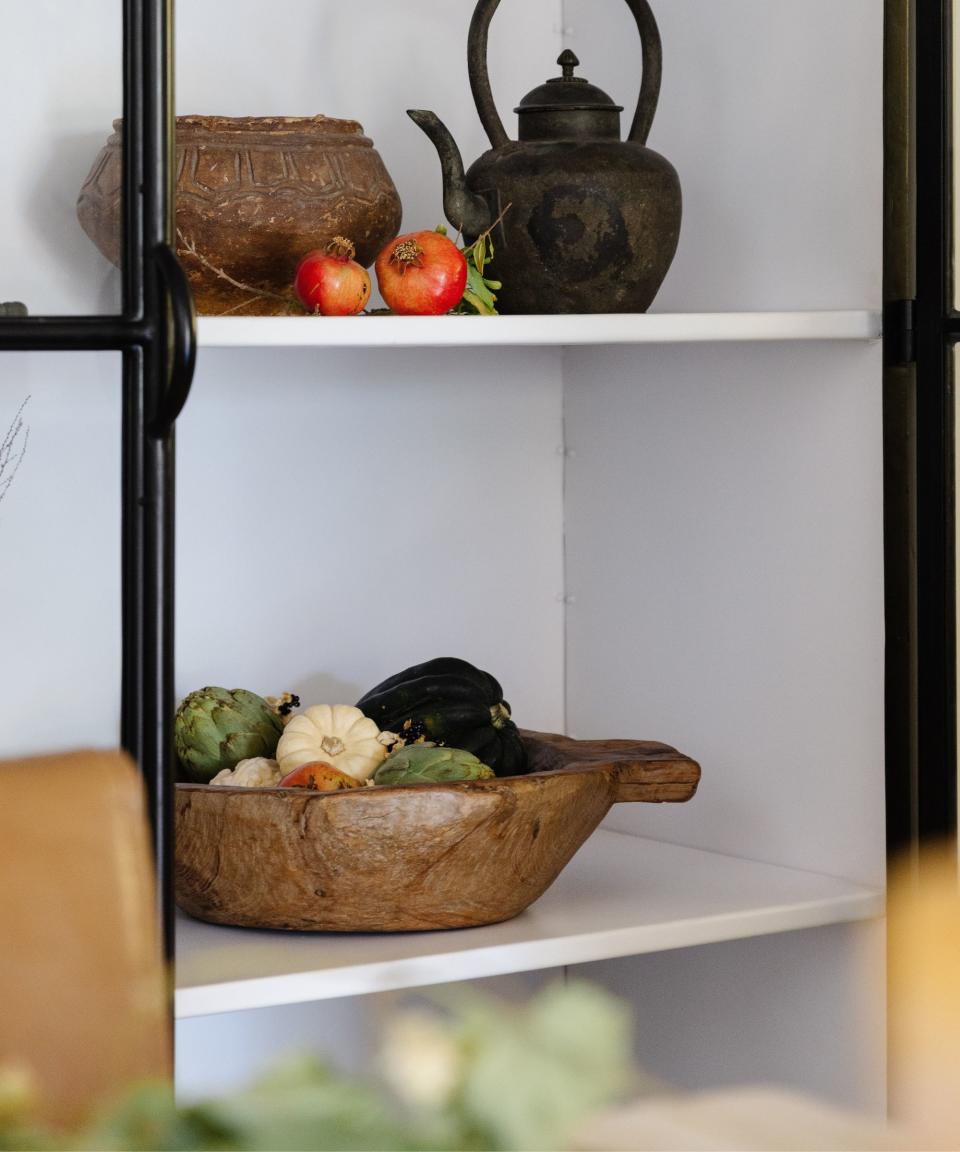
(480, 78)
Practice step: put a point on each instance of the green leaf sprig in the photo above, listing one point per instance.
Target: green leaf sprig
(480, 294)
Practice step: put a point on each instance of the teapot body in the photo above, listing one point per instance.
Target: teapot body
(592, 224)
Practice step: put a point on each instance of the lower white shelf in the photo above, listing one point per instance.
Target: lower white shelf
(619, 896)
(560, 331)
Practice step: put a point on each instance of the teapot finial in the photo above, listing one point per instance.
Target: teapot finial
(568, 61)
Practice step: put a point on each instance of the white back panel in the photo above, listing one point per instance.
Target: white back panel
(771, 113)
(724, 546)
(343, 515)
(62, 74)
(60, 553)
(801, 1009)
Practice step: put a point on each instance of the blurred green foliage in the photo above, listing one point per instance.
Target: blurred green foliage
(470, 1073)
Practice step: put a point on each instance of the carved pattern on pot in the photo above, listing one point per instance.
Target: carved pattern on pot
(254, 195)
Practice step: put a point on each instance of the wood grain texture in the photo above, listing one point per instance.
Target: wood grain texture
(407, 859)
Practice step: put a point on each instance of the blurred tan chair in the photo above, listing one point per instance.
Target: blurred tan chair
(82, 986)
(924, 1016)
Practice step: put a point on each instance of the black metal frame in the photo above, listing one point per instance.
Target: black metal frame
(156, 334)
(899, 424)
(921, 330)
(937, 329)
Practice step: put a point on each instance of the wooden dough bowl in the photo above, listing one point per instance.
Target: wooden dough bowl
(390, 859)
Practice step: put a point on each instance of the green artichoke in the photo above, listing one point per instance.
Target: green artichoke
(428, 764)
(216, 728)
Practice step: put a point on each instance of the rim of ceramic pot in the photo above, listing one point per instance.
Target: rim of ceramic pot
(265, 126)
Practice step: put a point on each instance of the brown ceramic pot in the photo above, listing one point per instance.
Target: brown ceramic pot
(253, 196)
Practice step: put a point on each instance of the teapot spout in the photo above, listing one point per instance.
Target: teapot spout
(465, 210)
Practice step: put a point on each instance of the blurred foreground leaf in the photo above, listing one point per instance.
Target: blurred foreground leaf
(483, 1075)
(303, 1106)
(534, 1074)
(146, 1119)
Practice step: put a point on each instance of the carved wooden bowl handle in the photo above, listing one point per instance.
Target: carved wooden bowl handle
(639, 770)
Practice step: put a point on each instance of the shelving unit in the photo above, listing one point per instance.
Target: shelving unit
(665, 526)
(620, 896)
(532, 331)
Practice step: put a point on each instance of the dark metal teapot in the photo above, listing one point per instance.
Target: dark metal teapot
(593, 220)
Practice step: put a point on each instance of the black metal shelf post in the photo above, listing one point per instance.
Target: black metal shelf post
(921, 328)
(937, 325)
(156, 335)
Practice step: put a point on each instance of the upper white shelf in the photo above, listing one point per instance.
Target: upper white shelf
(620, 896)
(559, 331)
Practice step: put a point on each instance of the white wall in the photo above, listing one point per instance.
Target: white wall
(342, 517)
(62, 83)
(724, 505)
(725, 551)
(800, 1008)
(770, 112)
(60, 553)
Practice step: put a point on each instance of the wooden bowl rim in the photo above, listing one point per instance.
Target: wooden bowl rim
(630, 768)
(384, 789)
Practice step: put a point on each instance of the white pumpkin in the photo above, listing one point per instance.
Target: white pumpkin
(338, 734)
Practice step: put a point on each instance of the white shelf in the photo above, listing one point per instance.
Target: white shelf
(563, 331)
(619, 896)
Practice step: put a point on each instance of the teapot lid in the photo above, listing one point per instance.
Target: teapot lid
(567, 92)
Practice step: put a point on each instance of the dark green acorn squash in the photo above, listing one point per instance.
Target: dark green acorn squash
(448, 701)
